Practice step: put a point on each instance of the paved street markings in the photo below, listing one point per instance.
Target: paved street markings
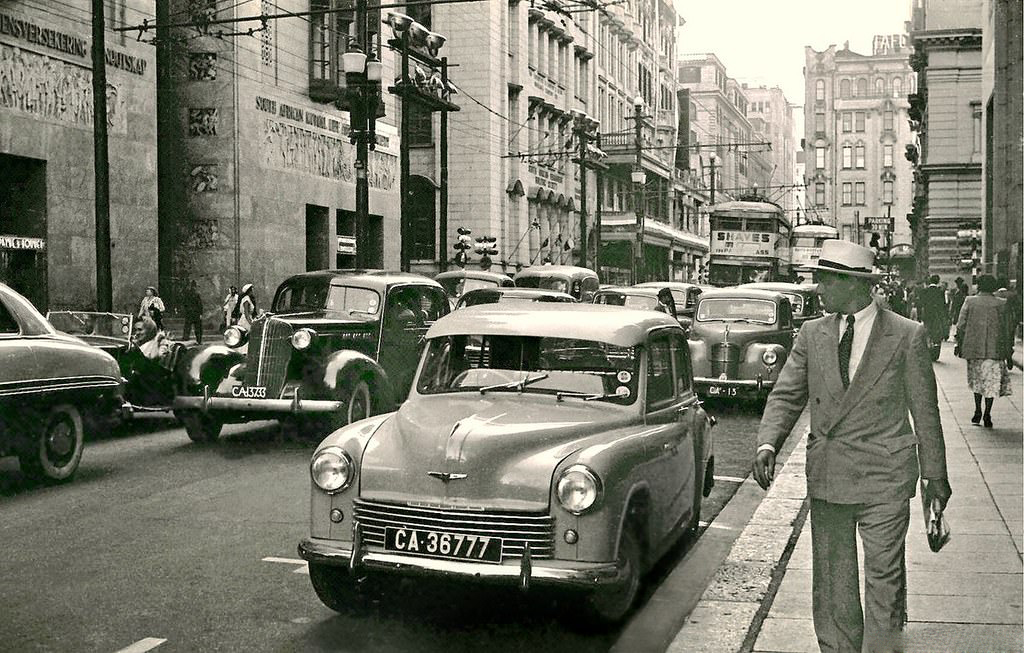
(143, 645)
(730, 479)
(303, 568)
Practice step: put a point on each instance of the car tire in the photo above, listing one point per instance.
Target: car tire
(607, 607)
(54, 454)
(358, 403)
(337, 589)
(200, 427)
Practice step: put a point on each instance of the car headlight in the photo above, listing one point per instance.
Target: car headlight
(769, 357)
(332, 469)
(235, 336)
(578, 489)
(303, 338)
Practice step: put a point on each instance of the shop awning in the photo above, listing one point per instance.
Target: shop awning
(655, 228)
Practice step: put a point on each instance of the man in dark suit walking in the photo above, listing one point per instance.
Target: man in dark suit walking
(865, 372)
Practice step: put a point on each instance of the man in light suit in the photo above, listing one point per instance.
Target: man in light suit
(865, 371)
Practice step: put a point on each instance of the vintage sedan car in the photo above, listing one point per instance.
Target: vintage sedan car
(579, 282)
(511, 295)
(685, 295)
(650, 299)
(552, 445)
(337, 346)
(803, 299)
(54, 390)
(739, 341)
(457, 282)
(150, 385)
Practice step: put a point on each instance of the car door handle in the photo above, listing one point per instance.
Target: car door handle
(669, 446)
(683, 409)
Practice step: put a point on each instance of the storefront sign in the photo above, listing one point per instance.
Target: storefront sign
(66, 43)
(889, 43)
(744, 243)
(22, 242)
(347, 245)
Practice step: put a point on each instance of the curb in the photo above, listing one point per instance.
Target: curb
(736, 602)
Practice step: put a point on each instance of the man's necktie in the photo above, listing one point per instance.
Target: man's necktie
(845, 348)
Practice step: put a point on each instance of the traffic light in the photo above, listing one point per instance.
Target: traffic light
(486, 247)
(875, 241)
(463, 244)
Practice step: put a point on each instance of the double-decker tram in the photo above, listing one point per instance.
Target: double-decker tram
(807, 242)
(750, 241)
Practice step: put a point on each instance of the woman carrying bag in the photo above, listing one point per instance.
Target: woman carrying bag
(983, 338)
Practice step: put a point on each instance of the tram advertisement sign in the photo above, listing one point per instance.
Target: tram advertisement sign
(744, 243)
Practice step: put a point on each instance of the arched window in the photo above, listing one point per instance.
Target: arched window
(862, 87)
(819, 90)
(879, 87)
(423, 218)
(845, 87)
(897, 86)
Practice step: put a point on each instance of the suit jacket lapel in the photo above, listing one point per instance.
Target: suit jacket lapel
(878, 352)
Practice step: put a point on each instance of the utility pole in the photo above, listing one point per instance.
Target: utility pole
(405, 255)
(362, 149)
(597, 213)
(101, 162)
(582, 135)
(639, 179)
(442, 226)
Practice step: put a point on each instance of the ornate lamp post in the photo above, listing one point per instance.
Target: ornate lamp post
(639, 178)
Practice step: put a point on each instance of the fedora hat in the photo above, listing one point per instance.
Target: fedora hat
(844, 257)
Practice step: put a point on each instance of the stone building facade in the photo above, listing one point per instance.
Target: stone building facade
(855, 130)
(47, 216)
(946, 112)
(771, 116)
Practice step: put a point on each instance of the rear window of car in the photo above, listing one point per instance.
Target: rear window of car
(735, 309)
(642, 302)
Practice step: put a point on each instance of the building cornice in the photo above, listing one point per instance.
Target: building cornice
(955, 167)
(969, 37)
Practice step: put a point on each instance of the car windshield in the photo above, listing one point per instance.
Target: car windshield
(642, 302)
(317, 294)
(736, 309)
(85, 323)
(582, 369)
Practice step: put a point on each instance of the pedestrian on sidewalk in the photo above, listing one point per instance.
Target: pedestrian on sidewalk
(983, 338)
(931, 309)
(245, 309)
(192, 310)
(152, 307)
(865, 371)
(956, 301)
(228, 307)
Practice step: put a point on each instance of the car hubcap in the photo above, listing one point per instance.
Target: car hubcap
(60, 441)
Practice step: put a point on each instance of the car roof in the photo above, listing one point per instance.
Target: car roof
(555, 269)
(472, 274)
(624, 327)
(777, 286)
(512, 291)
(631, 290)
(740, 292)
(671, 285)
(374, 278)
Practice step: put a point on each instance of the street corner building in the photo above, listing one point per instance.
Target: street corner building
(47, 225)
(257, 169)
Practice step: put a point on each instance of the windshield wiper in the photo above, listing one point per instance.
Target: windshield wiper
(518, 385)
(561, 394)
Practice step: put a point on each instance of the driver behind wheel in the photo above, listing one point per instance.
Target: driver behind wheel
(152, 342)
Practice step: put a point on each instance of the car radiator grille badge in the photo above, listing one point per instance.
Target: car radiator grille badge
(445, 477)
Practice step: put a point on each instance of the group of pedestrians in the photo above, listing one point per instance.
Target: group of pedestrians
(237, 308)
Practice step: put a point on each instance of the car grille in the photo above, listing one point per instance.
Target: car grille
(725, 359)
(270, 349)
(515, 529)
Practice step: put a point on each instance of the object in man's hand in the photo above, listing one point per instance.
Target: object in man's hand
(936, 526)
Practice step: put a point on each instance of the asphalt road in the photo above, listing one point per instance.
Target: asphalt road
(161, 544)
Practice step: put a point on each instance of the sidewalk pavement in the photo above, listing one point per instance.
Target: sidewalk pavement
(967, 597)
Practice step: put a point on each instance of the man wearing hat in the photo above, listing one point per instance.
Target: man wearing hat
(865, 372)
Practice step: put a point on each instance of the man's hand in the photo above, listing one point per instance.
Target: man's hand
(938, 488)
(764, 468)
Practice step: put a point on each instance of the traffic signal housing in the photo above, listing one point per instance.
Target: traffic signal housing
(486, 247)
(463, 243)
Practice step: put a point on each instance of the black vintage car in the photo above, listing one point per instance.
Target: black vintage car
(458, 282)
(635, 297)
(511, 295)
(337, 346)
(803, 298)
(685, 295)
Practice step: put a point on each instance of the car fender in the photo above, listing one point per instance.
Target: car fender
(206, 364)
(342, 366)
(699, 361)
(754, 364)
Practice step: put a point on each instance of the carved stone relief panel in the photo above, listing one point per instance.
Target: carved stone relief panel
(203, 121)
(202, 66)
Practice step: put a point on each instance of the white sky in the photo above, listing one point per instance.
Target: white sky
(762, 41)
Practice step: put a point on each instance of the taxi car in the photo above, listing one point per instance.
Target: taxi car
(739, 341)
(513, 295)
(336, 347)
(579, 282)
(553, 445)
(54, 391)
(803, 299)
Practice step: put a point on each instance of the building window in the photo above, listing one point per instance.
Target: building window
(879, 87)
(859, 119)
(819, 122)
(328, 38)
(847, 122)
(847, 157)
(421, 130)
(859, 156)
(887, 125)
(860, 198)
(887, 192)
(845, 88)
(862, 87)
(819, 194)
(847, 194)
(819, 90)
(819, 158)
(887, 156)
(897, 87)
(976, 121)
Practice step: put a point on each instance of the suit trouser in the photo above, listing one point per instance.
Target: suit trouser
(839, 622)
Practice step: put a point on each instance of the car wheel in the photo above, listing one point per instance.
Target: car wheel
(55, 454)
(337, 589)
(199, 427)
(358, 404)
(608, 606)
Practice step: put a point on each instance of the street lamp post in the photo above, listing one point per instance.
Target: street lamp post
(639, 178)
(712, 157)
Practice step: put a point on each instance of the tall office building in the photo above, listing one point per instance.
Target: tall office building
(855, 129)
(771, 116)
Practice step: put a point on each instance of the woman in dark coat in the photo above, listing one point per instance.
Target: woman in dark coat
(983, 338)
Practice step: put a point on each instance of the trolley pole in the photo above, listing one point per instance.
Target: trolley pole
(101, 162)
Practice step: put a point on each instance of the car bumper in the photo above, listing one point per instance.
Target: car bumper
(548, 573)
(732, 387)
(207, 403)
